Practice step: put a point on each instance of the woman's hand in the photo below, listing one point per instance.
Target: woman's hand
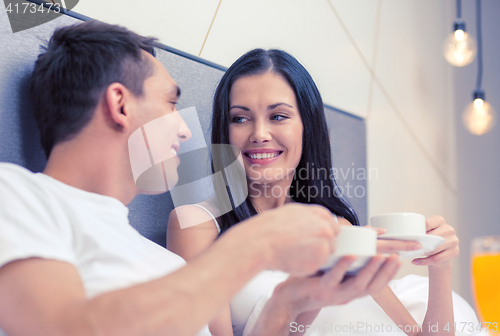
(444, 253)
(393, 245)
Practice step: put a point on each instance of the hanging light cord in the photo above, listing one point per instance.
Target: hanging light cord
(209, 28)
(479, 46)
(459, 10)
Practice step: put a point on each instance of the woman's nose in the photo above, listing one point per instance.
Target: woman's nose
(261, 132)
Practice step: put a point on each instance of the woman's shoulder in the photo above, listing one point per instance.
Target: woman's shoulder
(191, 229)
(200, 214)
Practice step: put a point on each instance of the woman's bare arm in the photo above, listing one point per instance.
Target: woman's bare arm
(190, 238)
(440, 305)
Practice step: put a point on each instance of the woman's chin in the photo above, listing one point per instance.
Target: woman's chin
(268, 187)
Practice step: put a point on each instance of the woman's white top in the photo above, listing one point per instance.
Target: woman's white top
(362, 316)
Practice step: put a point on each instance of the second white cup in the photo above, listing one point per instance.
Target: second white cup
(400, 223)
(354, 240)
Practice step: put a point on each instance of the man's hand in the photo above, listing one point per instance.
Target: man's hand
(332, 288)
(299, 238)
(447, 251)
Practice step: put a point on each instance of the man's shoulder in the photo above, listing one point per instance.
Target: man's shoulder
(16, 176)
(21, 187)
(7, 168)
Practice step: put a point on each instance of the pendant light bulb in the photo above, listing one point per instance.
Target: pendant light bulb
(479, 116)
(459, 48)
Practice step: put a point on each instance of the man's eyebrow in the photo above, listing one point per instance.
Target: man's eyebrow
(178, 91)
(270, 107)
(240, 107)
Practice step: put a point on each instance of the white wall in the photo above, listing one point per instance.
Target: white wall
(378, 59)
(410, 120)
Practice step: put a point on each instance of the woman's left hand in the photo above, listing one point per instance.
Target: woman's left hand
(444, 253)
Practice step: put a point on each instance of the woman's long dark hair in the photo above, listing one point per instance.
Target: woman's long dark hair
(316, 151)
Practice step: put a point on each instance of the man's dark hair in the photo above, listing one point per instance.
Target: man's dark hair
(77, 66)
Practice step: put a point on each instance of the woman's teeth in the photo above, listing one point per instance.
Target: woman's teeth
(263, 155)
(173, 151)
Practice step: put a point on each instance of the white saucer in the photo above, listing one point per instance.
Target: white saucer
(429, 243)
(358, 264)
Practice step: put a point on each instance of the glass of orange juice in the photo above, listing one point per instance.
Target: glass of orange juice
(485, 262)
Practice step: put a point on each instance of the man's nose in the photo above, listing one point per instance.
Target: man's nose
(184, 132)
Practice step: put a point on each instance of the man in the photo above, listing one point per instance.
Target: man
(70, 263)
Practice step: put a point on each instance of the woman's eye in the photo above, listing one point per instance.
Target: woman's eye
(278, 117)
(239, 120)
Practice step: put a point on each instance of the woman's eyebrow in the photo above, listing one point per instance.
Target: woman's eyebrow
(240, 107)
(270, 107)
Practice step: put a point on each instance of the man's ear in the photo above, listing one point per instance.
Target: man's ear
(117, 98)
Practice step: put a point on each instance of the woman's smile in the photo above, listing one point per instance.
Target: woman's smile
(262, 156)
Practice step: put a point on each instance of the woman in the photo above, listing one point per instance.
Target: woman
(268, 107)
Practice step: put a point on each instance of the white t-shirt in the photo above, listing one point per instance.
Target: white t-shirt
(43, 217)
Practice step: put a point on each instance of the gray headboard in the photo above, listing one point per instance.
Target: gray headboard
(197, 78)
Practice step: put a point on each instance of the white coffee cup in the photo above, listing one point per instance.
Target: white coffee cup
(400, 223)
(353, 240)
